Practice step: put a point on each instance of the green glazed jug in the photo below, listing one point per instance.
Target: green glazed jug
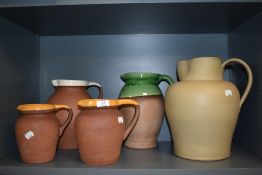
(142, 84)
(143, 87)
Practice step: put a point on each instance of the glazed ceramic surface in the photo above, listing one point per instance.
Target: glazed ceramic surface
(202, 108)
(142, 84)
(143, 87)
(100, 129)
(69, 92)
(37, 131)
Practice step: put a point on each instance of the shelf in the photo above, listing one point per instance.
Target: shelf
(26, 3)
(153, 161)
(119, 17)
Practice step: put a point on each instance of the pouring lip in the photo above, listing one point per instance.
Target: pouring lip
(198, 58)
(66, 82)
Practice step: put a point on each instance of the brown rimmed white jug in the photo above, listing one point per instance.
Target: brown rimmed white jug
(69, 92)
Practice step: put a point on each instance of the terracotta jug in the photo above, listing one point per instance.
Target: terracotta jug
(202, 108)
(100, 129)
(69, 92)
(37, 131)
(143, 87)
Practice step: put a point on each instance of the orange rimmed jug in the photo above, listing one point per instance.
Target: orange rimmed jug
(38, 130)
(100, 129)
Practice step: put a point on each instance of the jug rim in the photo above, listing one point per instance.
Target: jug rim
(198, 58)
(102, 103)
(66, 82)
(35, 107)
(130, 75)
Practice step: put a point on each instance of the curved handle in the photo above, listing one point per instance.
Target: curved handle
(69, 117)
(98, 86)
(166, 78)
(135, 117)
(249, 76)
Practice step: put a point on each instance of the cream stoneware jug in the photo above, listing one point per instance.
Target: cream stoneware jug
(202, 109)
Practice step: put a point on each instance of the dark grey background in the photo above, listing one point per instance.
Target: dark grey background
(246, 42)
(148, 17)
(18, 75)
(103, 58)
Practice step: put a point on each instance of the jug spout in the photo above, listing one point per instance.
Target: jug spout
(182, 69)
(54, 82)
(200, 68)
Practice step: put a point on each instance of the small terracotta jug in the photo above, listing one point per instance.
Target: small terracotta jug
(37, 131)
(69, 92)
(202, 109)
(143, 87)
(100, 129)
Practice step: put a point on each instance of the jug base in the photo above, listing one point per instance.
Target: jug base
(67, 148)
(95, 163)
(68, 144)
(203, 157)
(36, 160)
(140, 144)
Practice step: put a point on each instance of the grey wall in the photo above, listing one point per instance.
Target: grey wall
(246, 42)
(18, 75)
(103, 58)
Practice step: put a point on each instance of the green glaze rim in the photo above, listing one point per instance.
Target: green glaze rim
(137, 75)
(148, 87)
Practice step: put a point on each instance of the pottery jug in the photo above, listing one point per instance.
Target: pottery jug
(100, 129)
(69, 92)
(143, 87)
(202, 109)
(37, 131)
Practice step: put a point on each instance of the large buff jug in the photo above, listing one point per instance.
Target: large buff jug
(202, 108)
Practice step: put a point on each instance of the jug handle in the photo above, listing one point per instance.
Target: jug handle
(69, 117)
(135, 116)
(98, 86)
(166, 78)
(249, 76)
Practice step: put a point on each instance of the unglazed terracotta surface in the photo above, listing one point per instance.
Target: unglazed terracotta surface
(69, 92)
(37, 131)
(100, 130)
(143, 87)
(145, 133)
(202, 108)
